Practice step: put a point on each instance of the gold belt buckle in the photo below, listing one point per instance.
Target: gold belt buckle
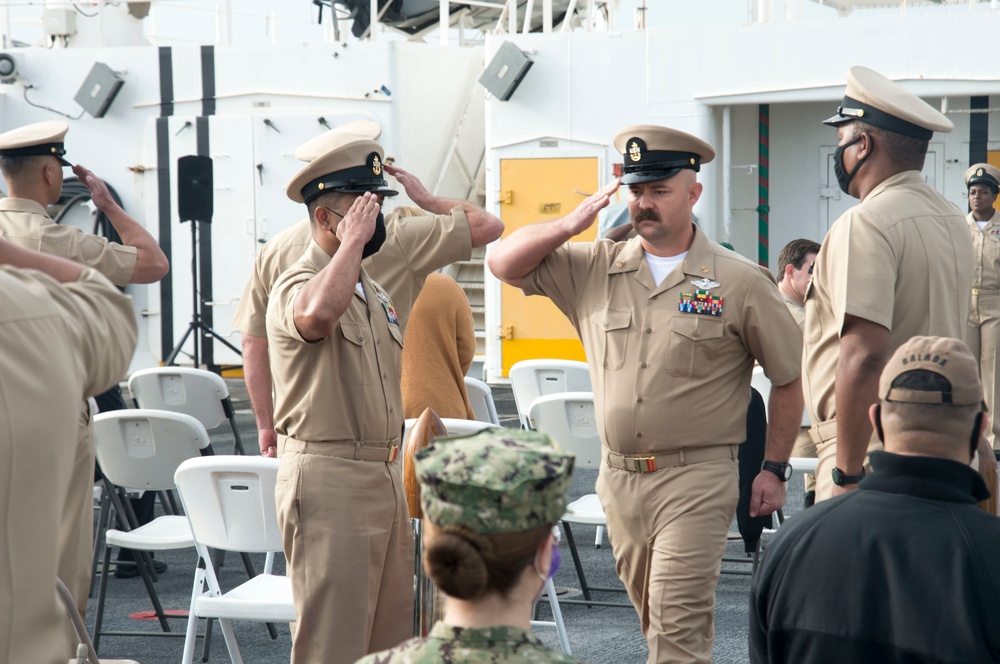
(644, 464)
(975, 291)
(393, 453)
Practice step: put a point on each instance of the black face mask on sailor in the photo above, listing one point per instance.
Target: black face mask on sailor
(378, 238)
(843, 177)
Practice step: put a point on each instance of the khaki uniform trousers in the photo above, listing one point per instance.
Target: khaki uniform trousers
(349, 550)
(76, 525)
(826, 452)
(983, 338)
(805, 448)
(668, 533)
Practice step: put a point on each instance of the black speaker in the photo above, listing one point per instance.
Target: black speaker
(194, 188)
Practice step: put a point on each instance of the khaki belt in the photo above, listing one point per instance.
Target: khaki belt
(823, 432)
(648, 463)
(990, 291)
(346, 449)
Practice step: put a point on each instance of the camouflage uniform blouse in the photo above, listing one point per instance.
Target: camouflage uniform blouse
(453, 645)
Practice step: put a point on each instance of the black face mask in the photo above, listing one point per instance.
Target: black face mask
(843, 177)
(378, 238)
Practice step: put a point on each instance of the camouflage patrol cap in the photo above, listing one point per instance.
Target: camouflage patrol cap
(496, 481)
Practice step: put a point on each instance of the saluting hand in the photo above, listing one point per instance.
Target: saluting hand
(99, 192)
(585, 214)
(358, 224)
(768, 494)
(414, 188)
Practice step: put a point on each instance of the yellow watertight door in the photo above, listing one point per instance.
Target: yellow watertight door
(533, 190)
(993, 159)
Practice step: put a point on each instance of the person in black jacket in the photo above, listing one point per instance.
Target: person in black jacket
(902, 570)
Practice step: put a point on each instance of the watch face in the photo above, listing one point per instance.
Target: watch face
(782, 470)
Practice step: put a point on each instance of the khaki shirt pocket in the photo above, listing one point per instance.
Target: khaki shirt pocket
(352, 354)
(612, 336)
(691, 347)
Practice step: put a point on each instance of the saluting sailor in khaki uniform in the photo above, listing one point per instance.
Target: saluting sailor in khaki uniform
(894, 266)
(983, 337)
(335, 349)
(31, 160)
(671, 323)
(65, 334)
(414, 248)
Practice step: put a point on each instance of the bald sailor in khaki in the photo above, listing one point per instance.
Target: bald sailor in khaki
(671, 323)
(414, 248)
(897, 265)
(335, 353)
(31, 160)
(983, 337)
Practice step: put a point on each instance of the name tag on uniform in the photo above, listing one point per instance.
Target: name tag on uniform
(390, 311)
(700, 302)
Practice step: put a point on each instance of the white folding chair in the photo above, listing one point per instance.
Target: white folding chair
(557, 618)
(458, 427)
(530, 379)
(140, 450)
(570, 419)
(229, 503)
(196, 392)
(481, 398)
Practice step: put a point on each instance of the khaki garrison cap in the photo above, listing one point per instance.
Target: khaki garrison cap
(949, 358)
(315, 147)
(344, 162)
(872, 98)
(36, 140)
(983, 174)
(654, 153)
(496, 481)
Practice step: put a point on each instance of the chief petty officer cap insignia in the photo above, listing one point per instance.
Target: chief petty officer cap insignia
(872, 98)
(346, 163)
(36, 140)
(987, 174)
(653, 153)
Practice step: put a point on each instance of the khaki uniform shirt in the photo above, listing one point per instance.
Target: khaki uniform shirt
(414, 247)
(986, 251)
(344, 387)
(484, 645)
(797, 310)
(902, 259)
(666, 379)
(25, 222)
(59, 343)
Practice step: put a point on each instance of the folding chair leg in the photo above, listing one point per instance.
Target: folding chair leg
(599, 537)
(550, 588)
(576, 561)
(234, 648)
(101, 592)
(191, 633)
(146, 571)
(103, 521)
(251, 574)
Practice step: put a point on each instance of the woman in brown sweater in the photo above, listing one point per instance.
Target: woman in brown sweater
(438, 350)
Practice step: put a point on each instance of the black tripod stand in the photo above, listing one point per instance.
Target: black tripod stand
(197, 325)
(195, 203)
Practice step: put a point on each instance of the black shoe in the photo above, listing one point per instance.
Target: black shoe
(127, 572)
(810, 499)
